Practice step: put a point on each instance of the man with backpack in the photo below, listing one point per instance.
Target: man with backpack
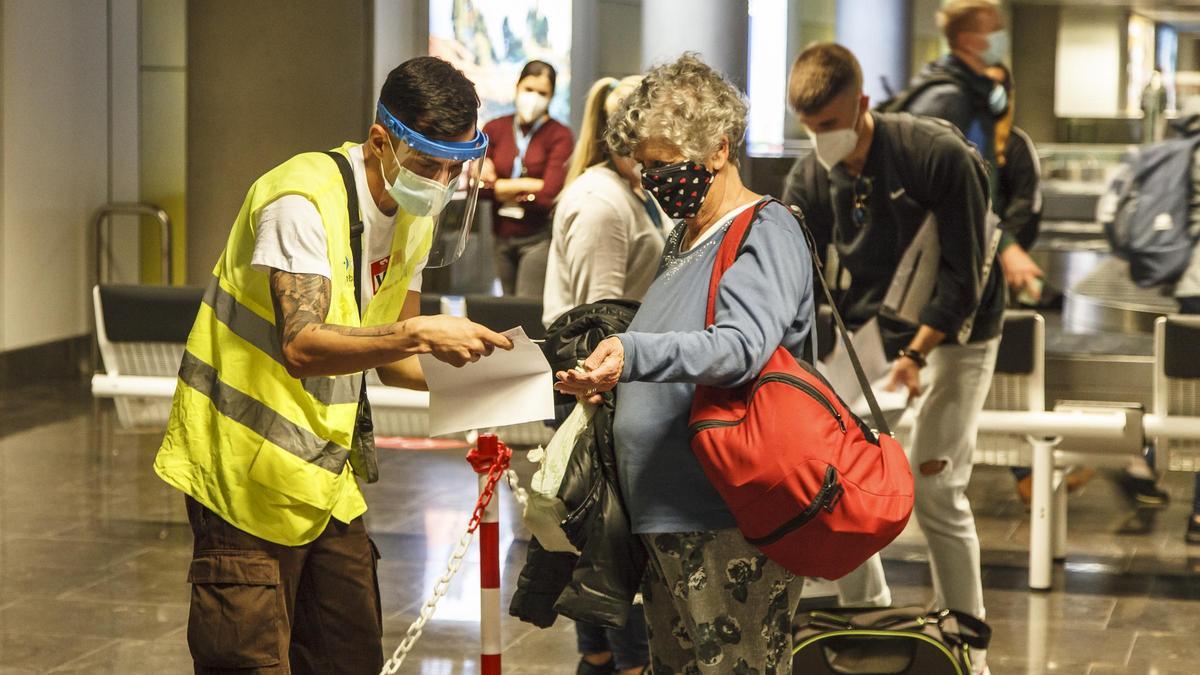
(1187, 291)
(958, 89)
(1150, 214)
(873, 181)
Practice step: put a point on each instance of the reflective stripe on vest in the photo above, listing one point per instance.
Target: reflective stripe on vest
(261, 333)
(260, 419)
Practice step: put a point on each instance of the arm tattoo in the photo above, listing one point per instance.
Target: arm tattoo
(303, 299)
(365, 331)
(300, 300)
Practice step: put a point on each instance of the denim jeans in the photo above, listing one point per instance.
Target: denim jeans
(629, 646)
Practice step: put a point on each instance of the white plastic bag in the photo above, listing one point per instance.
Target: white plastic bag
(544, 511)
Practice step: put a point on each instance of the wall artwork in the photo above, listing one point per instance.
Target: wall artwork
(491, 40)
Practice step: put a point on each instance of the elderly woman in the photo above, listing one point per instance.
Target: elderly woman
(713, 602)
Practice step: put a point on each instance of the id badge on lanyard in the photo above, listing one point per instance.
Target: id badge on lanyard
(518, 169)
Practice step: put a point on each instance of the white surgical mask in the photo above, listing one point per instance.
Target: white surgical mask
(834, 146)
(417, 195)
(997, 48)
(531, 106)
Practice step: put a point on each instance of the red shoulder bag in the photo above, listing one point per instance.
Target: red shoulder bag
(810, 485)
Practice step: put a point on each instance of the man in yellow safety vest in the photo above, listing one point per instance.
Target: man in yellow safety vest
(319, 281)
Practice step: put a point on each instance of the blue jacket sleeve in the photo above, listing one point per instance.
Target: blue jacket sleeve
(765, 292)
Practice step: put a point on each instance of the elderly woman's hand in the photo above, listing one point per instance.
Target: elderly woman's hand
(601, 371)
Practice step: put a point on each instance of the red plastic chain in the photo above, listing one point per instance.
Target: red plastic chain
(495, 468)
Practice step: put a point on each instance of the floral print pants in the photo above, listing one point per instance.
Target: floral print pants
(715, 604)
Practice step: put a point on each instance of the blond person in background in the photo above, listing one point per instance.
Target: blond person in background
(973, 102)
(607, 232)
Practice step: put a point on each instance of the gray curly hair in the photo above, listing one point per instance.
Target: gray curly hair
(685, 103)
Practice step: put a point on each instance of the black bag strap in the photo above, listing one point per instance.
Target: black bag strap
(356, 233)
(905, 97)
(881, 424)
(356, 224)
(971, 630)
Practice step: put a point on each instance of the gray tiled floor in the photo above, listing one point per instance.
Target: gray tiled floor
(94, 552)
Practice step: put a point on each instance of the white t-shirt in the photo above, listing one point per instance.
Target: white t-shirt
(291, 236)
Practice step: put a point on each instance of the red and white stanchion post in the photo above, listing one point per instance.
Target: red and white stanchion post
(490, 460)
(488, 456)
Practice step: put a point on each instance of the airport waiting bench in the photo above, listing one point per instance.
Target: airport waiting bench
(1088, 431)
(1176, 389)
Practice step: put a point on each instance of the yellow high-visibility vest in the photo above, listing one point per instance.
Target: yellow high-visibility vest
(264, 450)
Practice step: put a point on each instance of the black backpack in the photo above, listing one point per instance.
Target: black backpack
(902, 100)
(903, 641)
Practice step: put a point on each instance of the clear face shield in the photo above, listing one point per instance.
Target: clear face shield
(435, 185)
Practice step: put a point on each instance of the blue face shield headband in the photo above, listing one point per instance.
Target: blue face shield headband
(458, 151)
(435, 199)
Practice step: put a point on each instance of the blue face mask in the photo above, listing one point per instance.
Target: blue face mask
(997, 48)
(998, 100)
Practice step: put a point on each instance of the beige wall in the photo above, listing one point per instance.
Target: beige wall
(716, 29)
(162, 76)
(927, 43)
(266, 80)
(619, 35)
(401, 32)
(1090, 40)
(54, 171)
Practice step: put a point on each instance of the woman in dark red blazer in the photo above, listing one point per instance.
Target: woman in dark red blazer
(525, 167)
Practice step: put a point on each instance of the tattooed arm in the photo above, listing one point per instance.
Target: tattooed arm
(312, 347)
(405, 373)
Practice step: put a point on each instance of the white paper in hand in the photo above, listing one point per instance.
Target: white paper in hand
(837, 368)
(508, 387)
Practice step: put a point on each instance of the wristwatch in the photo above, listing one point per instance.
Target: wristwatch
(916, 356)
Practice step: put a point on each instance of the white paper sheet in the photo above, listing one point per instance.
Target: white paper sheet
(508, 387)
(836, 368)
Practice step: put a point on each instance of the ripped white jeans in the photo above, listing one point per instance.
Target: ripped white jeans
(954, 387)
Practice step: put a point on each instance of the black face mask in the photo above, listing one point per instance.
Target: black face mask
(679, 188)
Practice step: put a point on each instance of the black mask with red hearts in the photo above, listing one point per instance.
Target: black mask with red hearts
(679, 188)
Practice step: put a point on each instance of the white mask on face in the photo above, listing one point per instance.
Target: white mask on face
(417, 195)
(834, 146)
(531, 106)
(996, 49)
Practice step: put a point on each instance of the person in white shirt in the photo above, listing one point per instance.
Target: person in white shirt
(608, 233)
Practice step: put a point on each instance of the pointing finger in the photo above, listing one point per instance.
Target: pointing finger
(495, 338)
